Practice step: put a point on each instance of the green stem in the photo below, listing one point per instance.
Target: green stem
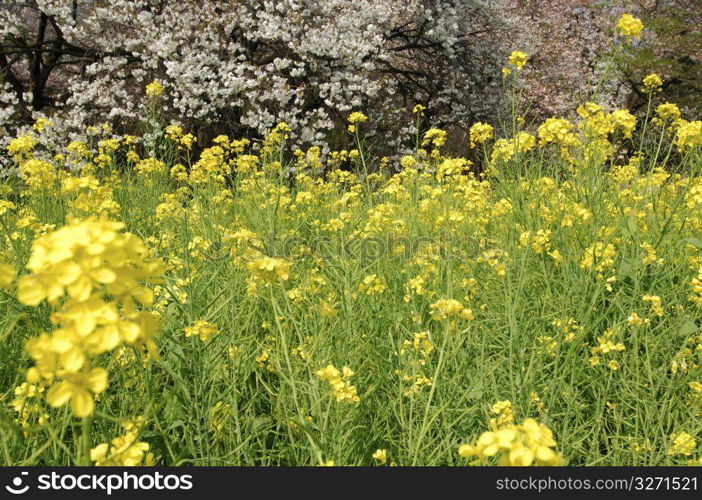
(84, 459)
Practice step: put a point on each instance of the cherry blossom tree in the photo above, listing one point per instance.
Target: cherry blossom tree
(241, 66)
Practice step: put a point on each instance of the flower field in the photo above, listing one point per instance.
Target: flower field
(244, 302)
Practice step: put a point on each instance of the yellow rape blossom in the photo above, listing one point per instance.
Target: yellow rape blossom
(683, 444)
(270, 269)
(517, 59)
(203, 329)
(525, 444)
(689, 135)
(629, 26)
(154, 89)
(103, 272)
(123, 451)
(342, 389)
(381, 456)
(480, 133)
(652, 83)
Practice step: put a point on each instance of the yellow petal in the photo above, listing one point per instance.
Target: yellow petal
(97, 380)
(99, 452)
(61, 341)
(130, 331)
(84, 324)
(80, 290)
(73, 359)
(30, 292)
(82, 403)
(66, 273)
(59, 394)
(103, 275)
(145, 296)
(104, 339)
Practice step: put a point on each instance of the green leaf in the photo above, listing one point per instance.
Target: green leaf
(475, 392)
(688, 329)
(694, 241)
(632, 226)
(627, 266)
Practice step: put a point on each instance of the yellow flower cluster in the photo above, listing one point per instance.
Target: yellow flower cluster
(630, 26)
(540, 241)
(213, 165)
(175, 133)
(417, 352)
(419, 110)
(203, 329)
(42, 123)
(355, 119)
(39, 175)
(696, 284)
(27, 407)
(518, 59)
(568, 327)
(480, 133)
(342, 389)
(504, 416)
(689, 135)
(529, 443)
(154, 89)
(605, 347)
(505, 149)
(652, 83)
(434, 136)
(372, 285)
(624, 121)
(150, 166)
(450, 308)
(420, 344)
(599, 256)
(655, 302)
(683, 444)
(558, 130)
(220, 414)
(380, 456)
(495, 258)
(275, 137)
(101, 271)
(452, 167)
(22, 146)
(269, 269)
(668, 112)
(687, 359)
(125, 450)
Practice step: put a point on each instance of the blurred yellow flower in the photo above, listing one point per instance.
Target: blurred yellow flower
(7, 275)
(381, 456)
(202, 329)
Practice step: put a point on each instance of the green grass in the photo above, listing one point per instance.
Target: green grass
(400, 227)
